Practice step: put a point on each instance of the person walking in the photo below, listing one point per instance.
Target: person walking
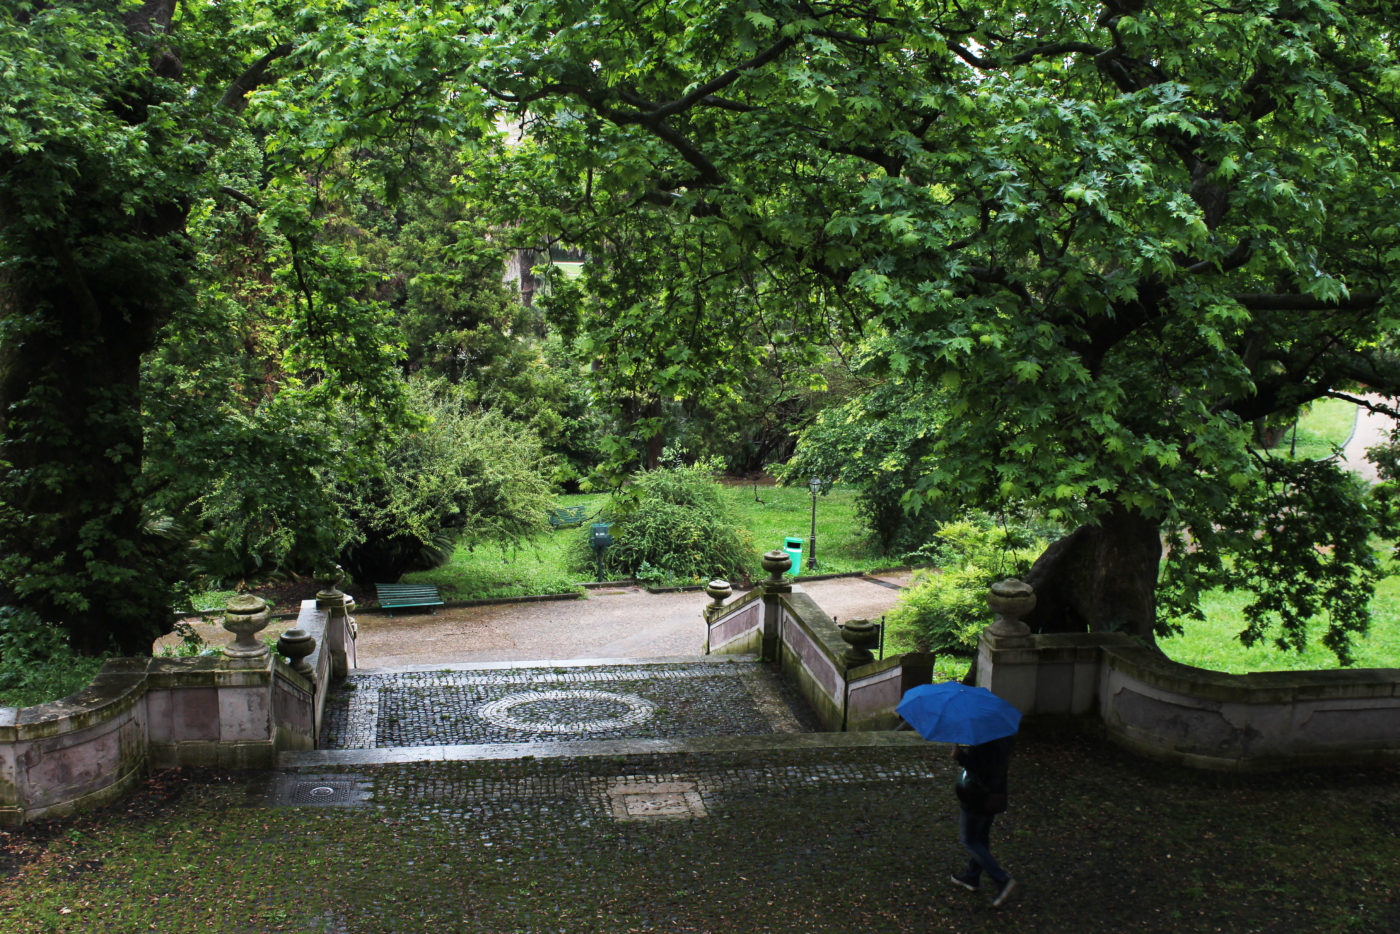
(981, 792)
(981, 725)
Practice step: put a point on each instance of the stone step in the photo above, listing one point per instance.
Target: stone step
(592, 749)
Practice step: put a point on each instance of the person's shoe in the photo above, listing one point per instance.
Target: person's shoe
(1005, 893)
(969, 884)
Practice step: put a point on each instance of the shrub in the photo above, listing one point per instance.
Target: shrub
(37, 662)
(946, 608)
(464, 473)
(672, 524)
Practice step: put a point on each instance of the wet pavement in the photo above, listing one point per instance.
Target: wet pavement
(768, 834)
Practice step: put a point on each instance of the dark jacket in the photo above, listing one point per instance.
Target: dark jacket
(986, 765)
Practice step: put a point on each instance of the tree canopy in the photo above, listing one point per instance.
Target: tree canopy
(1115, 236)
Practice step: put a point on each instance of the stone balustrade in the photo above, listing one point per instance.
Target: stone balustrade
(1144, 701)
(233, 710)
(832, 666)
(1166, 710)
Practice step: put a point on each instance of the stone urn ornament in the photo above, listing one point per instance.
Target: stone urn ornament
(718, 591)
(861, 636)
(245, 616)
(296, 645)
(1009, 600)
(776, 563)
(329, 580)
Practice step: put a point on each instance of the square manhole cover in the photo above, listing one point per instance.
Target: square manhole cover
(320, 791)
(638, 800)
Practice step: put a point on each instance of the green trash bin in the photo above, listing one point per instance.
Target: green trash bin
(793, 547)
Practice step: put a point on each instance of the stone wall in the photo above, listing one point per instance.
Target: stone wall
(1144, 701)
(142, 714)
(1163, 709)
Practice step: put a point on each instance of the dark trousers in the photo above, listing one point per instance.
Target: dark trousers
(974, 831)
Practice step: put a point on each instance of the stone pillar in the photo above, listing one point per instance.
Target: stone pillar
(340, 626)
(776, 563)
(1006, 654)
(718, 591)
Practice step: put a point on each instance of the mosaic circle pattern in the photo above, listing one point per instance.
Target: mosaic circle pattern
(562, 711)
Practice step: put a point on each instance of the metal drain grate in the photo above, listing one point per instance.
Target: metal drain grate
(320, 791)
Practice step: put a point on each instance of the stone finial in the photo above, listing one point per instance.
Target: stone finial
(718, 592)
(860, 635)
(245, 616)
(296, 645)
(776, 563)
(329, 580)
(1009, 600)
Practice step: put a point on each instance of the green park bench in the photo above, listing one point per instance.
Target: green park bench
(405, 596)
(568, 516)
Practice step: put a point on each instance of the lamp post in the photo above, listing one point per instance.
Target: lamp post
(815, 485)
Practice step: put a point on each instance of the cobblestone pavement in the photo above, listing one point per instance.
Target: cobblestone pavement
(550, 703)
(778, 839)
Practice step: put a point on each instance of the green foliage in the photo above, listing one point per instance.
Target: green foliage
(1300, 541)
(878, 443)
(1110, 236)
(556, 560)
(37, 661)
(127, 177)
(463, 473)
(946, 608)
(672, 524)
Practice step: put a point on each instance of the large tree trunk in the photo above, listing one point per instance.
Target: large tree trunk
(95, 265)
(1100, 578)
(72, 544)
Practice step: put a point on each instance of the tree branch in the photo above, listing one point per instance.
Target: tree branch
(724, 80)
(1227, 263)
(1259, 301)
(235, 98)
(239, 196)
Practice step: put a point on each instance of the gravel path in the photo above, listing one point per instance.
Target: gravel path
(1371, 430)
(623, 622)
(626, 622)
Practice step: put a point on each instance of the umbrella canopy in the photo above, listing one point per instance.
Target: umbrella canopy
(952, 712)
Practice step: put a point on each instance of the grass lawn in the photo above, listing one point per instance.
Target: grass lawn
(1214, 643)
(490, 571)
(842, 543)
(1321, 430)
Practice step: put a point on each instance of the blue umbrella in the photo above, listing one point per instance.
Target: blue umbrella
(952, 712)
